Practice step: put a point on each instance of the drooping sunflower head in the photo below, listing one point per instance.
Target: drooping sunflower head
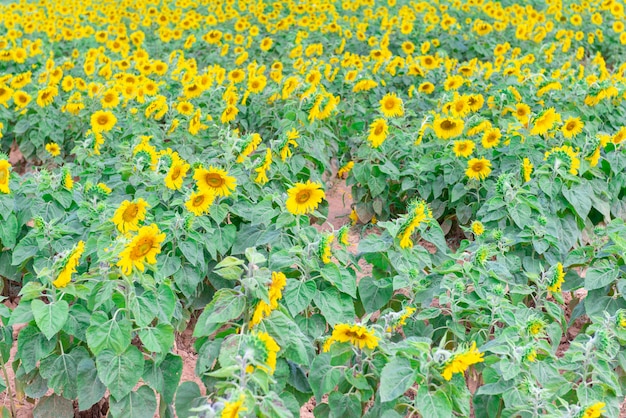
(5, 166)
(304, 197)
(216, 180)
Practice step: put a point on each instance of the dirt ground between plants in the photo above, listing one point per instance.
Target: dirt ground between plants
(340, 200)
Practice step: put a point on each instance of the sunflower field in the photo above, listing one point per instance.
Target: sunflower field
(166, 173)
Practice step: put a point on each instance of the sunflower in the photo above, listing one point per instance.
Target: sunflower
(545, 121)
(478, 168)
(275, 293)
(522, 112)
(185, 108)
(234, 408)
(69, 267)
(378, 132)
(426, 87)
(460, 362)
(53, 148)
(572, 127)
(229, 114)
(266, 44)
(357, 335)
(143, 248)
(391, 105)
(304, 197)
(176, 175)
(478, 228)
(46, 96)
(527, 169)
(447, 127)
(200, 202)
(4, 176)
(129, 214)
(21, 99)
(216, 180)
(619, 136)
(102, 121)
(491, 138)
(463, 148)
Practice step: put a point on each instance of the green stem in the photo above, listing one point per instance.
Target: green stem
(9, 391)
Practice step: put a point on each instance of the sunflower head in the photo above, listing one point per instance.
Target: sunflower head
(304, 197)
(391, 106)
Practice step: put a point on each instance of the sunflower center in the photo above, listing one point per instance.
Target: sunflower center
(448, 125)
(462, 147)
(198, 200)
(130, 213)
(214, 180)
(378, 130)
(390, 104)
(521, 112)
(175, 173)
(303, 196)
(3, 176)
(103, 120)
(428, 61)
(143, 247)
(478, 167)
(571, 126)
(491, 138)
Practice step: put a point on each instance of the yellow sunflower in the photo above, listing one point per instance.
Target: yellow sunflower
(447, 127)
(70, 264)
(527, 169)
(129, 214)
(357, 335)
(378, 132)
(216, 180)
(4, 176)
(102, 121)
(491, 138)
(46, 96)
(200, 202)
(522, 112)
(234, 408)
(176, 175)
(426, 87)
(619, 136)
(143, 248)
(391, 106)
(478, 168)
(53, 148)
(572, 127)
(460, 362)
(545, 121)
(304, 197)
(21, 99)
(463, 148)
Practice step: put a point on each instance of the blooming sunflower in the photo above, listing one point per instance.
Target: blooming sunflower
(447, 127)
(522, 112)
(572, 127)
(491, 138)
(200, 202)
(357, 335)
(46, 96)
(176, 175)
(545, 121)
(594, 411)
(102, 121)
(478, 228)
(275, 293)
(391, 105)
(463, 148)
(234, 408)
(378, 132)
(460, 362)
(304, 197)
(69, 267)
(143, 248)
(4, 176)
(478, 168)
(129, 214)
(53, 148)
(619, 136)
(216, 180)
(527, 169)
(556, 279)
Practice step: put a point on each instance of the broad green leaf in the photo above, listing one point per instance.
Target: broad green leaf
(54, 406)
(396, 378)
(335, 306)
(120, 372)
(599, 277)
(187, 397)
(32, 346)
(50, 317)
(138, 404)
(322, 376)
(157, 339)
(298, 295)
(111, 334)
(579, 197)
(61, 371)
(375, 293)
(90, 387)
(227, 305)
(433, 405)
